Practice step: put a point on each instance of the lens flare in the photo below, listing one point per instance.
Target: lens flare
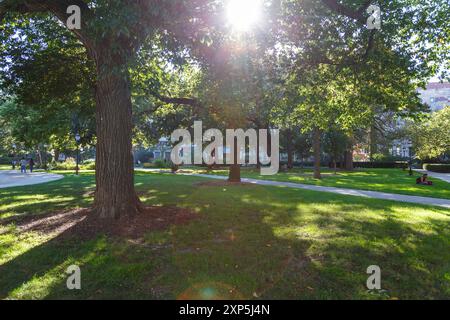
(244, 14)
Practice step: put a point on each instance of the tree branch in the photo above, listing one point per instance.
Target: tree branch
(178, 101)
(57, 7)
(357, 15)
(175, 100)
(185, 101)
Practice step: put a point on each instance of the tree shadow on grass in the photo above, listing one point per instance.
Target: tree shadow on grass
(413, 255)
(68, 193)
(413, 262)
(203, 255)
(250, 243)
(112, 267)
(116, 268)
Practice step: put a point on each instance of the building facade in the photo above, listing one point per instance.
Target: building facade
(436, 95)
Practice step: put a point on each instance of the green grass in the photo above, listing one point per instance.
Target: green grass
(250, 242)
(5, 167)
(383, 180)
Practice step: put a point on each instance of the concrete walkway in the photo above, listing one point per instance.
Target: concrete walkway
(442, 176)
(13, 178)
(348, 192)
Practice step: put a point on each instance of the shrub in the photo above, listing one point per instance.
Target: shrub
(144, 156)
(378, 157)
(6, 160)
(437, 167)
(88, 166)
(88, 161)
(160, 164)
(62, 166)
(298, 163)
(147, 165)
(381, 165)
(69, 164)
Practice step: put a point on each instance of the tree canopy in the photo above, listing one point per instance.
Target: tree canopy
(432, 138)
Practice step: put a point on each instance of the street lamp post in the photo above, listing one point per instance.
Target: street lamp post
(14, 146)
(77, 139)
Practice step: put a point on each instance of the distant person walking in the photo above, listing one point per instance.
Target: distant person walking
(23, 165)
(31, 162)
(14, 163)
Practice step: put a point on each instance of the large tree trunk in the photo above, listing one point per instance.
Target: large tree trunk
(42, 156)
(372, 142)
(316, 149)
(258, 164)
(348, 156)
(235, 173)
(39, 154)
(235, 168)
(290, 149)
(55, 155)
(115, 195)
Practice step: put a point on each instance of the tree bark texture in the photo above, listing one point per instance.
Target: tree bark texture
(115, 195)
(316, 149)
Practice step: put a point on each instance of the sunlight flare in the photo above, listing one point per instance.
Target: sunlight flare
(242, 15)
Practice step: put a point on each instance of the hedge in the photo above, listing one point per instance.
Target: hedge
(6, 160)
(88, 166)
(437, 167)
(379, 164)
(160, 164)
(70, 166)
(298, 164)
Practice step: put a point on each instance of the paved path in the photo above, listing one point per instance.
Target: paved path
(442, 176)
(10, 178)
(349, 192)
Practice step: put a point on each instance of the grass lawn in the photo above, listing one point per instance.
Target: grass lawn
(383, 180)
(248, 242)
(5, 167)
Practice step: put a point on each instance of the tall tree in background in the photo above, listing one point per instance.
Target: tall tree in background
(342, 70)
(431, 139)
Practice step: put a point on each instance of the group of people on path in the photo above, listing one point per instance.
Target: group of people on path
(23, 164)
